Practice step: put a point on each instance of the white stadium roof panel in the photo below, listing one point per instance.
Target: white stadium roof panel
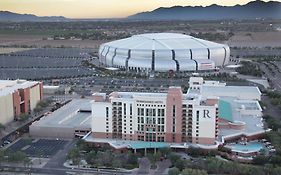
(165, 48)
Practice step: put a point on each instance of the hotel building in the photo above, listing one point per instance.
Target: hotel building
(209, 114)
(171, 117)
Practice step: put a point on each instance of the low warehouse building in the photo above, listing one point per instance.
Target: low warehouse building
(73, 119)
(18, 97)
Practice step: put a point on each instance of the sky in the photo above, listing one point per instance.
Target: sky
(100, 8)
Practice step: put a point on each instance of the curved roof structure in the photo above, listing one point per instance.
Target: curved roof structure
(163, 52)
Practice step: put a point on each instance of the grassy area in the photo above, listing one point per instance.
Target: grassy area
(249, 68)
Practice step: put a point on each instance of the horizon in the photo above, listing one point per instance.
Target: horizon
(94, 9)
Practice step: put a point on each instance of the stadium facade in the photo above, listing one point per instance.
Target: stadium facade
(162, 52)
(18, 97)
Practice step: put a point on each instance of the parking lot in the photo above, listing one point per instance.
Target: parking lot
(44, 148)
(45, 63)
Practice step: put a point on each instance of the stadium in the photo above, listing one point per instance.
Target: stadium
(162, 52)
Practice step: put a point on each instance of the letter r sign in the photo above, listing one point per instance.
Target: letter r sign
(206, 114)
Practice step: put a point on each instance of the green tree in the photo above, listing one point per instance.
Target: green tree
(2, 155)
(23, 117)
(193, 172)
(174, 171)
(91, 157)
(165, 151)
(17, 156)
(74, 156)
(116, 163)
(179, 164)
(174, 158)
(132, 159)
(260, 160)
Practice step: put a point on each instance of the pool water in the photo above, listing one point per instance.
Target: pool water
(249, 147)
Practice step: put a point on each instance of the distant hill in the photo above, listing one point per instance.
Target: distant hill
(252, 10)
(10, 16)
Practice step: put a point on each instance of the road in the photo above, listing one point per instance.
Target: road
(59, 158)
(273, 77)
(61, 171)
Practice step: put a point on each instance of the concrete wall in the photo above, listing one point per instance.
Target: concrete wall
(6, 109)
(35, 96)
(51, 132)
(99, 117)
(206, 124)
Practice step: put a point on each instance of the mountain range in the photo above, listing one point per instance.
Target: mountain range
(10, 16)
(252, 10)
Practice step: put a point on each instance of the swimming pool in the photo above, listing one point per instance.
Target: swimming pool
(250, 147)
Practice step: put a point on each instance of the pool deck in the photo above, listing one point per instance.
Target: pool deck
(250, 147)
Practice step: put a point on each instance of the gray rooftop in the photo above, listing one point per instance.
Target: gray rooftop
(253, 124)
(69, 116)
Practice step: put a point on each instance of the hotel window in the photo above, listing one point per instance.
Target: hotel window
(159, 128)
(138, 111)
(174, 110)
(131, 109)
(142, 111)
(124, 108)
(197, 115)
(153, 112)
(159, 112)
(106, 111)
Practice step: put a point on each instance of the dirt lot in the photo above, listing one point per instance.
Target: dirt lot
(37, 41)
(241, 39)
(256, 39)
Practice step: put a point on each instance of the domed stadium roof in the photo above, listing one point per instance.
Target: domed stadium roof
(163, 52)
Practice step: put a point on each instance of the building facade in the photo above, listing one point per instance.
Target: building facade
(18, 97)
(171, 117)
